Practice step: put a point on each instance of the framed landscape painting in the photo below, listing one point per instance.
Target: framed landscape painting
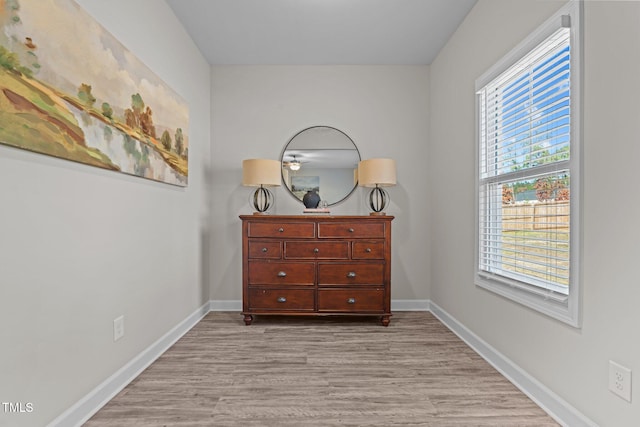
(300, 184)
(69, 89)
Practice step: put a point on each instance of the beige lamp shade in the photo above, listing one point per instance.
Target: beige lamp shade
(380, 172)
(257, 172)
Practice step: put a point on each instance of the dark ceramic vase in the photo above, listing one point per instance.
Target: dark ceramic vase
(311, 199)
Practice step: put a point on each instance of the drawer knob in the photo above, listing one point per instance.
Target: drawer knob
(351, 301)
(282, 299)
(351, 230)
(367, 250)
(316, 250)
(282, 274)
(351, 274)
(264, 249)
(281, 230)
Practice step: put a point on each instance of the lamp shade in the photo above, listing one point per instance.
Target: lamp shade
(261, 172)
(377, 172)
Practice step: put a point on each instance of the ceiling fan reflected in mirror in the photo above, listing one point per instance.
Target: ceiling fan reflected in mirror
(293, 164)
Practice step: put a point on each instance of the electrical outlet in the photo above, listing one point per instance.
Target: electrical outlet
(620, 380)
(118, 328)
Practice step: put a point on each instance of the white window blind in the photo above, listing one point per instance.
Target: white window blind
(525, 111)
(525, 169)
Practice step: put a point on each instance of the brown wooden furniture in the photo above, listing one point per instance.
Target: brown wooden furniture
(316, 265)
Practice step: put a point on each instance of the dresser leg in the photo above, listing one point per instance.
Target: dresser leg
(385, 320)
(248, 319)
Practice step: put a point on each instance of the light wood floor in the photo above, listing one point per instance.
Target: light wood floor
(291, 371)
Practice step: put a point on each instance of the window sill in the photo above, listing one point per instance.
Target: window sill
(555, 306)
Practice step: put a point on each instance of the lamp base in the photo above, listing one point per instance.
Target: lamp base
(262, 200)
(378, 200)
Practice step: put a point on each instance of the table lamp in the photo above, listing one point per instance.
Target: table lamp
(261, 173)
(377, 173)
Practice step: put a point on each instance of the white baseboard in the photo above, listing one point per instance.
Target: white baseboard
(553, 404)
(86, 407)
(225, 305)
(409, 305)
(550, 402)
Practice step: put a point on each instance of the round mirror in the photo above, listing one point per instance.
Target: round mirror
(321, 159)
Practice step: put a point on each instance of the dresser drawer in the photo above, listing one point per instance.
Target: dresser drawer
(350, 274)
(281, 299)
(265, 249)
(281, 273)
(281, 229)
(368, 249)
(351, 300)
(316, 250)
(355, 230)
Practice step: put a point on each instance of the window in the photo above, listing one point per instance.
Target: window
(528, 176)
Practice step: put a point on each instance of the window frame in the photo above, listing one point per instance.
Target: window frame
(564, 308)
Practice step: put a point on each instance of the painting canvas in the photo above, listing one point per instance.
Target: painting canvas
(301, 184)
(69, 89)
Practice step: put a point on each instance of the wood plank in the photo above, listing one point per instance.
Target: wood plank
(292, 371)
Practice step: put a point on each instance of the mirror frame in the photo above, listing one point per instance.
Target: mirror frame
(284, 150)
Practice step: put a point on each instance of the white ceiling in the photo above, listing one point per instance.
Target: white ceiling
(334, 32)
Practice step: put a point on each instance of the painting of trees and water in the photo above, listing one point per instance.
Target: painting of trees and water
(69, 89)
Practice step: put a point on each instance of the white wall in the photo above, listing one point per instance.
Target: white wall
(80, 246)
(571, 362)
(384, 109)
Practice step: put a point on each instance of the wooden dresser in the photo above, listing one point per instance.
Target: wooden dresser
(316, 265)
